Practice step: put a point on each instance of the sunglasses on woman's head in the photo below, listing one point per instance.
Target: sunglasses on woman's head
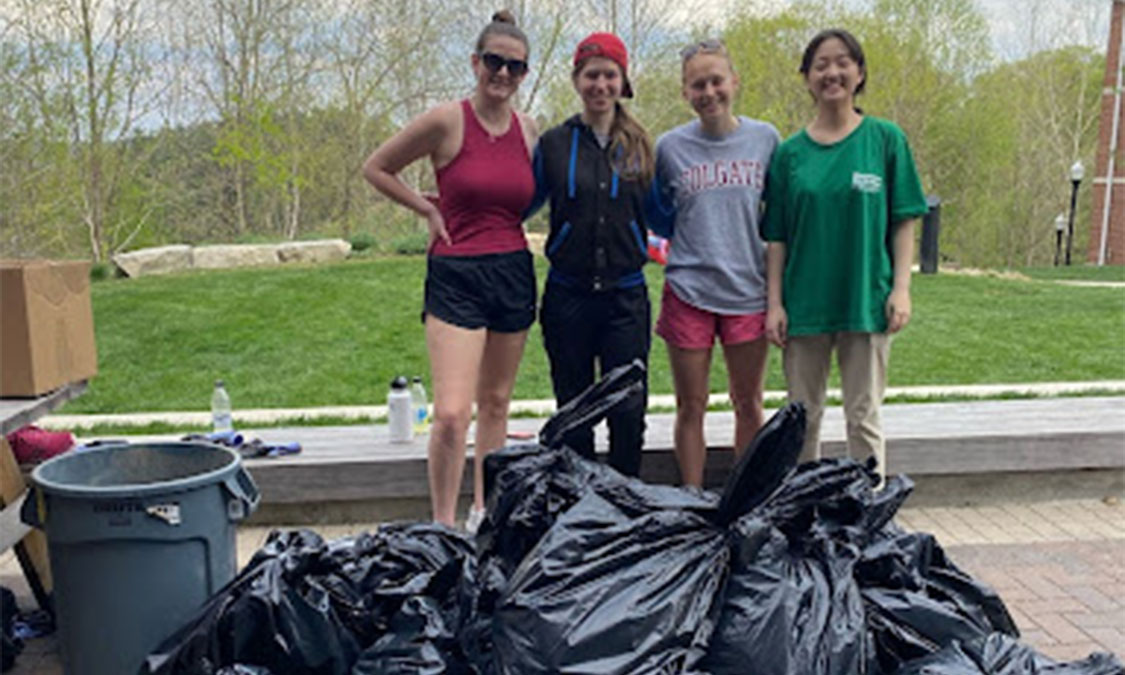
(494, 62)
(704, 46)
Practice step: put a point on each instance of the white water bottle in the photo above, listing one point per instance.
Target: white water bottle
(400, 417)
(419, 406)
(220, 408)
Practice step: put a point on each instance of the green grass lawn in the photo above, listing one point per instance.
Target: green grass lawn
(337, 334)
(1081, 272)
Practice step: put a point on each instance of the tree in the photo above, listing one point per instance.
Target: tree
(83, 65)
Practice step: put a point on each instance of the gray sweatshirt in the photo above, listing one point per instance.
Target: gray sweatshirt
(709, 191)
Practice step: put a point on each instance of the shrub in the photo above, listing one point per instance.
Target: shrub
(362, 241)
(413, 243)
(102, 270)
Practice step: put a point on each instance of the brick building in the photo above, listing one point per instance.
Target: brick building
(1107, 220)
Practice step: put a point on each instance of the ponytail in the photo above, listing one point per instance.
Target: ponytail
(631, 146)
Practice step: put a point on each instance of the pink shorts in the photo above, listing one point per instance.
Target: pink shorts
(689, 327)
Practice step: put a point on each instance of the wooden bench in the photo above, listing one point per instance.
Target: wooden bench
(955, 452)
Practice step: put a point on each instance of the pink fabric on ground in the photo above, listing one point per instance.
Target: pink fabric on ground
(32, 445)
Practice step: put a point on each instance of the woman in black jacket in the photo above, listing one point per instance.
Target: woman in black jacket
(594, 170)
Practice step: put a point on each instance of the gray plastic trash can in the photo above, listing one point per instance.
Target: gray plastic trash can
(139, 537)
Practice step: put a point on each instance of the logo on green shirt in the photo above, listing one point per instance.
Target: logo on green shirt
(866, 182)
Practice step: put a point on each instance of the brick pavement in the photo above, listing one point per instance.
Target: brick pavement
(1059, 566)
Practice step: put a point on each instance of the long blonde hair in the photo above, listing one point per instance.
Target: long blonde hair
(631, 146)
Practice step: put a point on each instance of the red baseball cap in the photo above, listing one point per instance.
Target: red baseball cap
(607, 46)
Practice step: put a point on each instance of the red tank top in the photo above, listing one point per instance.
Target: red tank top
(485, 190)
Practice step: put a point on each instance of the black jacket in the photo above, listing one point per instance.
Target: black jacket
(598, 239)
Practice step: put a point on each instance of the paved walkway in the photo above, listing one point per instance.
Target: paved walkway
(1059, 566)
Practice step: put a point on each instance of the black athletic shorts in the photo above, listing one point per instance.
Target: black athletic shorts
(495, 291)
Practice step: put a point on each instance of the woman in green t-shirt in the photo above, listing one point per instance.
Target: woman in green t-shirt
(842, 199)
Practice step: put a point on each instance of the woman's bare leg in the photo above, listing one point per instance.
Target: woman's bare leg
(690, 372)
(499, 364)
(455, 364)
(746, 371)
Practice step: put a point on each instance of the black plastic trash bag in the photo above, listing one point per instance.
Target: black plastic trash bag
(789, 607)
(538, 490)
(764, 464)
(791, 604)
(838, 533)
(999, 654)
(421, 640)
(918, 601)
(422, 635)
(533, 494)
(528, 487)
(10, 645)
(304, 606)
(610, 592)
(275, 614)
(617, 387)
(539, 499)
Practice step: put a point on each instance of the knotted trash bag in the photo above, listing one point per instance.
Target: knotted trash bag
(624, 576)
(764, 464)
(999, 654)
(791, 604)
(527, 488)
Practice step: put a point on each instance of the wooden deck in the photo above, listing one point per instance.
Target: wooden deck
(945, 447)
(17, 412)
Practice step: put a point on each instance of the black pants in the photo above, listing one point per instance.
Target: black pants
(609, 329)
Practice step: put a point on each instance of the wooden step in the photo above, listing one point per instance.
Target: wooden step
(944, 447)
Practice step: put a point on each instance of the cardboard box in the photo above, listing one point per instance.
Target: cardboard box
(46, 326)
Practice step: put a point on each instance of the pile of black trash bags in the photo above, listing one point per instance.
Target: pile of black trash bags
(791, 570)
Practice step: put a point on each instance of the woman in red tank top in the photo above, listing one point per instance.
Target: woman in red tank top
(480, 284)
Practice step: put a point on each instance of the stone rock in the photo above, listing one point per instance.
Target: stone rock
(160, 260)
(234, 255)
(323, 250)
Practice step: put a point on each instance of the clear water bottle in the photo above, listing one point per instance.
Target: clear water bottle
(220, 408)
(420, 406)
(400, 416)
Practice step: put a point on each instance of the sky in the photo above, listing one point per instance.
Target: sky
(1018, 27)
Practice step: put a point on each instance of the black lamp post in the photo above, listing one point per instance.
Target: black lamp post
(1060, 227)
(1077, 171)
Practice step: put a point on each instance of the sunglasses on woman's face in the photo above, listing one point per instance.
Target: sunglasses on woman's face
(494, 62)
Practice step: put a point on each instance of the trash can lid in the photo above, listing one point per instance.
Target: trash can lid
(136, 469)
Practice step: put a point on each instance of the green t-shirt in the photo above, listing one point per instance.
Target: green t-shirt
(832, 205)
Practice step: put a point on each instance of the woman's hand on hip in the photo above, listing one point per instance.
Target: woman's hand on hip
(777, 325)
(437, 228)
(898, 310)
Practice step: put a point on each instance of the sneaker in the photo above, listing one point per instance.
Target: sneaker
(476, 517)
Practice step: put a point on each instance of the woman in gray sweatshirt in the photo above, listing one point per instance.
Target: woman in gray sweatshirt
(710, 175)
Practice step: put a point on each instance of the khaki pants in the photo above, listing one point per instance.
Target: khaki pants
(863, 377)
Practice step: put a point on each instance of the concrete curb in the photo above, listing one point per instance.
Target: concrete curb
(545, 407)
